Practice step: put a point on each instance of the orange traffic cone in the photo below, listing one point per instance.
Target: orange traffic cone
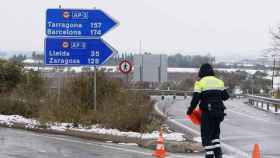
(160, 150)
(256, 151)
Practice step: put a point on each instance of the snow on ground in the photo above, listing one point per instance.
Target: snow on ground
(12, 119)
(195, 70)
(70, 69)
(154, 135)
(197, 139)
(129, 144)
(182, 70)
(31, 123)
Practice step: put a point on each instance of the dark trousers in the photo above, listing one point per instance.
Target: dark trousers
(210, 134)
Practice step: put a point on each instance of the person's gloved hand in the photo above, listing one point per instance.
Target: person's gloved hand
(189, 112)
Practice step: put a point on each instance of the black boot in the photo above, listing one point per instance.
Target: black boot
(218, 153)
(209, 156)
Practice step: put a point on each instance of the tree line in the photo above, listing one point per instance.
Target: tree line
(256, 83)
(189, 61)
(177, 60)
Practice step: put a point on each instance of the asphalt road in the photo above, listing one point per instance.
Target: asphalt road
(25, 144)
(243, 127)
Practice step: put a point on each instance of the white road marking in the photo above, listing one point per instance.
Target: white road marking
(248, 137)
(182, 119)
(253, 117)
(184, 126)
(111, 147)
(93, 144)
(230, 148)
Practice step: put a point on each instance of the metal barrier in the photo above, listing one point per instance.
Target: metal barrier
(163, 93)
(265, 103)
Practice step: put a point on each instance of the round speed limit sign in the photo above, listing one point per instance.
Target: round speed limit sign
(125, 67)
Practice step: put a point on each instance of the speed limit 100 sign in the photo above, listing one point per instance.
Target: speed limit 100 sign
(125, 67)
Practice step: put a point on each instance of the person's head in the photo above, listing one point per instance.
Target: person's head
(206, 70)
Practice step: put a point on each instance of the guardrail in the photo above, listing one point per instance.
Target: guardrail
(265, 103)
(163, 92)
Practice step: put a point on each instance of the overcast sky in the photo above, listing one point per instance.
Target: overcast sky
(169, 26)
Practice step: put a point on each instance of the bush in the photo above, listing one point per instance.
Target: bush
(187, 84)
(10, 76)
(27, 94)
(130, 112)
(11, 106)
(116, 108)
(20, 93)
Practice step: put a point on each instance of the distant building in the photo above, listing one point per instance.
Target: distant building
(150, 68)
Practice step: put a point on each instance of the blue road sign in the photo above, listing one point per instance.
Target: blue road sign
(72, 22)
(76, 51)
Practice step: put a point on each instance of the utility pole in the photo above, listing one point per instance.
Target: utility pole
(95, 102)
(159, 69)
(273, 69)
(141, 65)
(140, 47)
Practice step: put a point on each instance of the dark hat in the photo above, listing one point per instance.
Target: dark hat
(206, 70)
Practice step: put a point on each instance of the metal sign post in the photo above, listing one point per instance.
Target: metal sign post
(95, 94)
(125, 67)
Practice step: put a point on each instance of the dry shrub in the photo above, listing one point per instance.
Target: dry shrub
(26, 97)
(11, 106)
(116, 108)
(73, 103)
(130, 112)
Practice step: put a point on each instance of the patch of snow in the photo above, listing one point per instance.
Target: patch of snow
(171, 136)
(69, 69)
(197, 139)
(183, 70)
(31, 123)
(154, 135)
(12, 119)
(58, 128)
(129, 144)
(32, 61)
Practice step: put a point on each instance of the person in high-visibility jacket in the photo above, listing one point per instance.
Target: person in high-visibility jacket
(209, 93)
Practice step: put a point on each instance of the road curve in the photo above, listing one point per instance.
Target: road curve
(24, 144)
(243, 127)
